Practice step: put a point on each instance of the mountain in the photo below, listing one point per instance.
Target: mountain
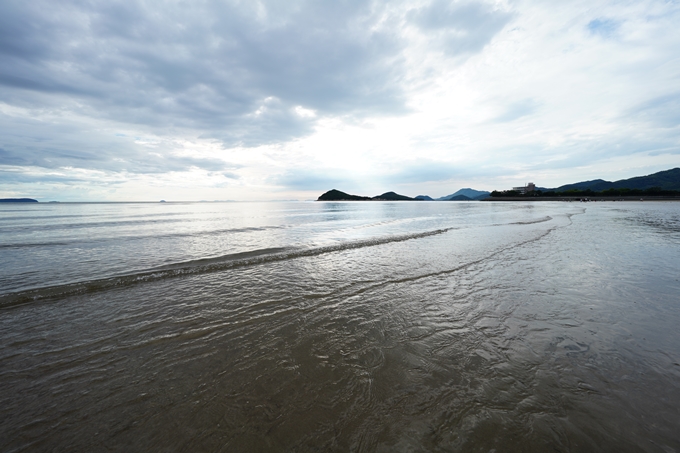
(424, 198)
(583, 185)
(458, 198)
(666, 180)
(484, 196)
(18, 200)
(391, 196)
(471, 194)
(336, 195)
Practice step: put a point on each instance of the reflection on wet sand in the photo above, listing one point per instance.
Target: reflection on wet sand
(552, 335)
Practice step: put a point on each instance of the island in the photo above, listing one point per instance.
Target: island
(18, 200)
(337, 195)
(391, 196)
(662, 185)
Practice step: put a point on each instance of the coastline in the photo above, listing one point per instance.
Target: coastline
(572, 199)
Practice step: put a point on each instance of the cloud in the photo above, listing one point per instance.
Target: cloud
(180, 163)
(424, 170)
(208, 66)
(271, 122)
(55, 146)
(517, 110)
(243, 74)
(18, 177)
(7, 158)
(318, 179)
(461, 27)
(662, 111)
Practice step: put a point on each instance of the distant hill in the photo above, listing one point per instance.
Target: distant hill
(458, 198)
(391, 196)
(583, 185)
(470, 194)
(18, 200)
(461, 195)
(666, 180)
(336, 195)
(482, 197)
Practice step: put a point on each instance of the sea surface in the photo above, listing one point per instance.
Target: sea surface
(349, 326)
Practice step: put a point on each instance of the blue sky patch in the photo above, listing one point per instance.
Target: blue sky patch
(603, 27)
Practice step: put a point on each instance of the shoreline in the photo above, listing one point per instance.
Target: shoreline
(586, 199)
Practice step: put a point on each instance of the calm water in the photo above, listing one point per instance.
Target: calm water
(373, 326)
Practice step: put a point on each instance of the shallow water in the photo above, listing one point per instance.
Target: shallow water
(340, 326)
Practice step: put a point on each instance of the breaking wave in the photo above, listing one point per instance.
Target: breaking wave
(200, 266)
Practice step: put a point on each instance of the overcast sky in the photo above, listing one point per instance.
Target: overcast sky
(261, 100)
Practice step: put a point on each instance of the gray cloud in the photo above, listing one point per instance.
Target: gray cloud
(206, 65)
(12, 177)
(210, 64)
(7, 158)
(662, 111)
(425, 171)
(576, 152)
(180, 163)
(461, 27)
(231, 71)
(54, 145)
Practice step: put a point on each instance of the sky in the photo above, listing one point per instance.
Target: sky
(275, 100)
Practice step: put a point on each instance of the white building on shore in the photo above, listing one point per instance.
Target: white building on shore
(528, 188)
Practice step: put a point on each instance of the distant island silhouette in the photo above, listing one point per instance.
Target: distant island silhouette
(664, 180)
(461, 195)
(661, 184)
(337, 195)
(18, 200)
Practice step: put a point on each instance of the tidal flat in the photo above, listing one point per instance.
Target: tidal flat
(348, 326)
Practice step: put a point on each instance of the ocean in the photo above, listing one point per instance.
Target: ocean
(348, 326)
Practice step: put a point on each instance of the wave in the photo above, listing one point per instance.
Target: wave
(80, 241)
(529, 222)
(462, 266)
(33, 244)
(200, 266)
(80, 225)
(90, 216)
